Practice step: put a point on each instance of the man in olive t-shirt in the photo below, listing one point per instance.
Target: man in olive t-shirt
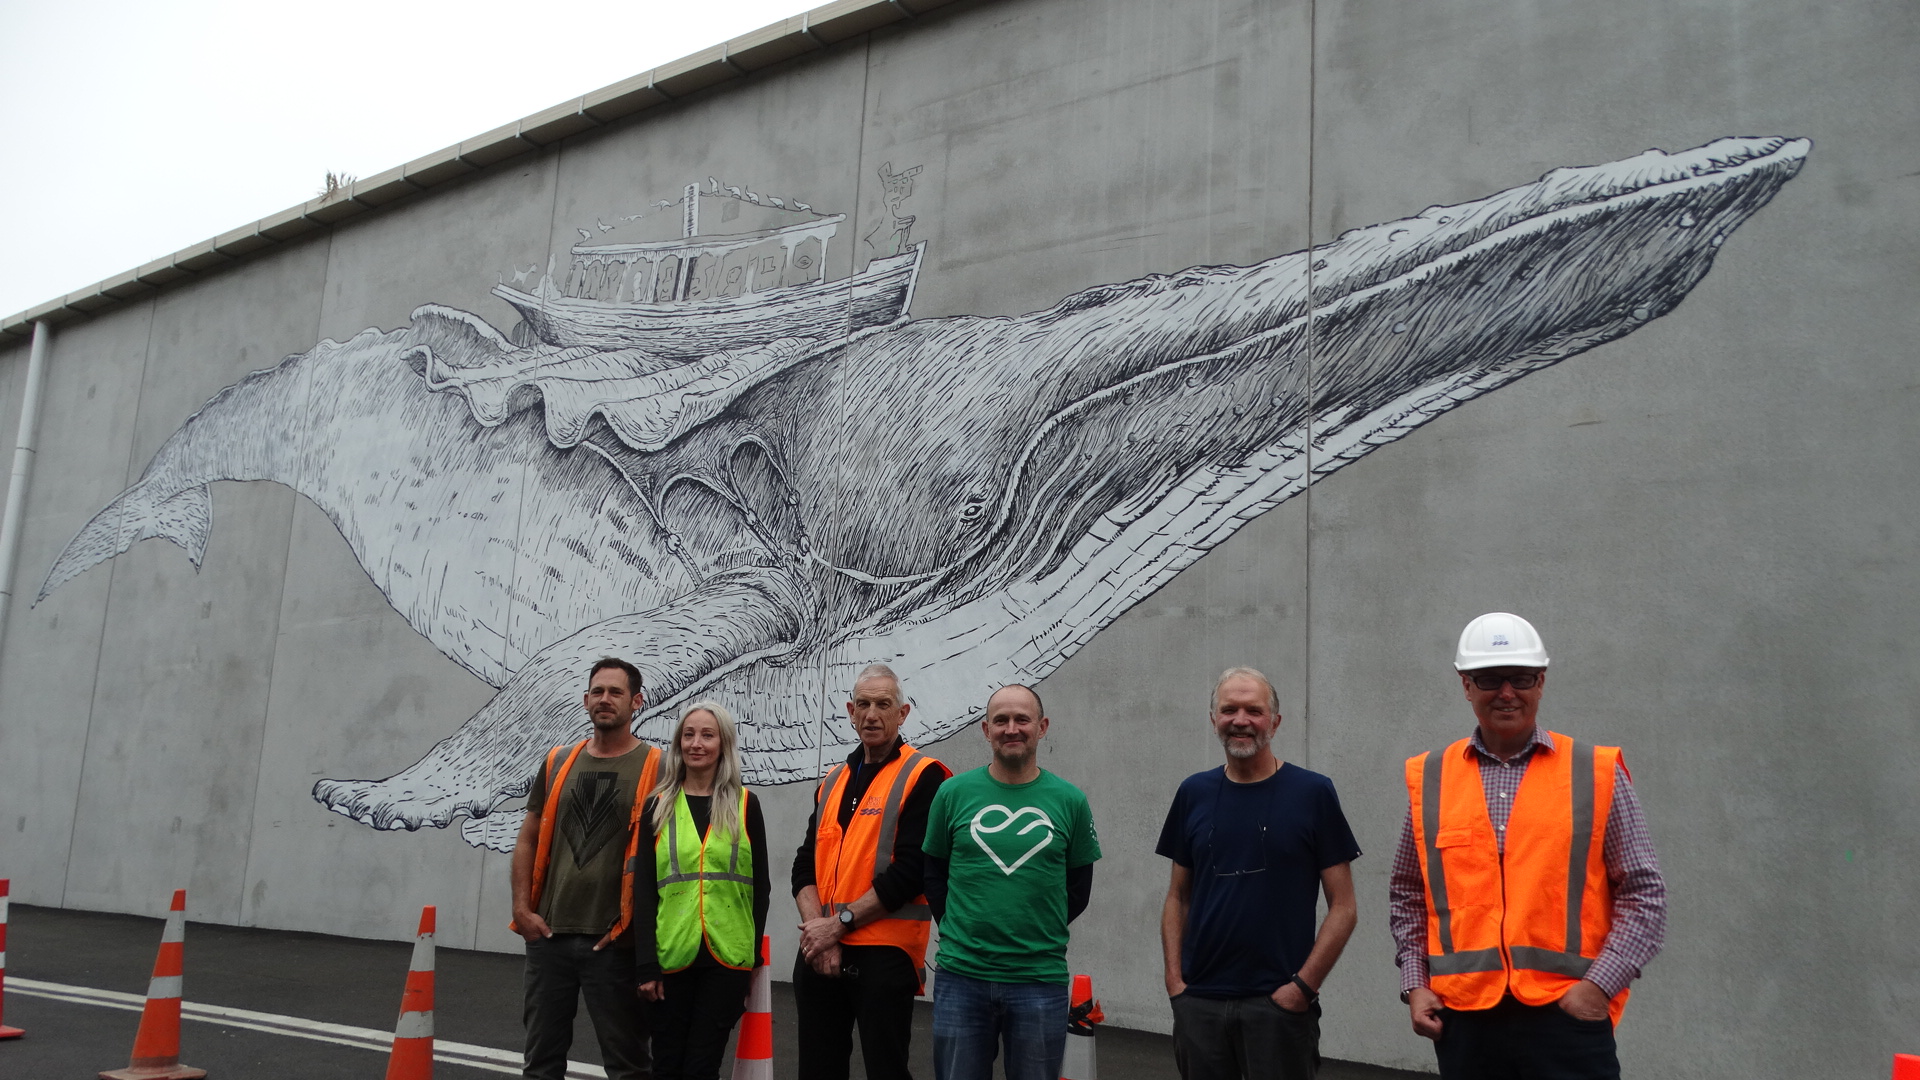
(568, 866)
(582, 893)
(1010, 852)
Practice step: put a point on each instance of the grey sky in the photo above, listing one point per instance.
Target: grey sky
(137, 129)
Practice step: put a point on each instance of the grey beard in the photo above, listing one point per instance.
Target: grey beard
(1260, 742)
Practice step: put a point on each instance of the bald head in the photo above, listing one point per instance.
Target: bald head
(1018, 690)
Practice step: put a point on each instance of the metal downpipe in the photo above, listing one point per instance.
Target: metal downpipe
(23, 454)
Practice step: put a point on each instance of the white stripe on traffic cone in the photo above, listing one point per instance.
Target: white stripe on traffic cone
(753, 1054)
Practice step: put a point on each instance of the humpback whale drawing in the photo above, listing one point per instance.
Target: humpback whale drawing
(968, 499)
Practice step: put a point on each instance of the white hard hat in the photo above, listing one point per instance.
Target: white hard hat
(1498, 639)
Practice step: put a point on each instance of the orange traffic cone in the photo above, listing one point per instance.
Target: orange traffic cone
(5, 1031)
(753, 1054)
(412, 1057)
(1079, 1062)
(156, 1049)
(1906, 1067)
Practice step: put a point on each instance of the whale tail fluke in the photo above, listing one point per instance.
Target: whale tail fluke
(140, 513)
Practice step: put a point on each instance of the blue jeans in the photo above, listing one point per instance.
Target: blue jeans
(973, 1019)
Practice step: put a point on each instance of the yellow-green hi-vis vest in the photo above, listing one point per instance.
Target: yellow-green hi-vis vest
(706, 891)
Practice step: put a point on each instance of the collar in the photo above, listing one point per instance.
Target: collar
(859, 755)
(1540, 740)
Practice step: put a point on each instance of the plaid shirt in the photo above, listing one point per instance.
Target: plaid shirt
(1639, 893)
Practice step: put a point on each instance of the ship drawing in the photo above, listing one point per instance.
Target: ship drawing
(688, 298)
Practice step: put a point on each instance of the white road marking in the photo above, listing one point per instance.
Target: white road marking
(470, 1055)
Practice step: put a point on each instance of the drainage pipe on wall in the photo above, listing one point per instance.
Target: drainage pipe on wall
(23, 453)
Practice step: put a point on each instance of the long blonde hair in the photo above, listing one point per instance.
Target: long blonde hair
(726, 775)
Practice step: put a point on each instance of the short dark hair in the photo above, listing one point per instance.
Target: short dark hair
(605, 662)
(1039, 706)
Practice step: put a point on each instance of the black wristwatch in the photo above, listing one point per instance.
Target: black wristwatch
(846, 917)
(1312, 994)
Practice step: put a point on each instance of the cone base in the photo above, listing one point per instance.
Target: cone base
(10, 1032)
(753, 1069)
(1079, 1062)
(155, 1072)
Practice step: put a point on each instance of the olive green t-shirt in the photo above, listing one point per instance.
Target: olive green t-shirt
(582, 892)
(1008, 849)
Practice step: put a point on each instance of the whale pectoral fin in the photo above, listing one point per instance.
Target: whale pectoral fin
(497, 831)
(140, 513)
(748, 614)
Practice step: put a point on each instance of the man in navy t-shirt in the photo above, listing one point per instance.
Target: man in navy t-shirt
(1252, 844)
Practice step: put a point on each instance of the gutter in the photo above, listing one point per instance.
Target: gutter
(23, 454)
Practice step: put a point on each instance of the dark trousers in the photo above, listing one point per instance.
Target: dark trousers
(691, 1024)
(1512, 1041)
(560, 970)
(876, 991)
(1247, 1038)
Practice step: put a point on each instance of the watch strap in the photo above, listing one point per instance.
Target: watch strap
(1312, 994)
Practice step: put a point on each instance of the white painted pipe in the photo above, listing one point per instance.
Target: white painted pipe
(23, 454)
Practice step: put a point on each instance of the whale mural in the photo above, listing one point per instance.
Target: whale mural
(755, 515)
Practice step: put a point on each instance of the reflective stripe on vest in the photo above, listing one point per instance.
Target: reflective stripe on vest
(845, 862)
(1528, 921)
(699, 902)
(550, 815)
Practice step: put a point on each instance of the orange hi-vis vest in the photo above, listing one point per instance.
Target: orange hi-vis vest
(557, 771)
(1531, 921)
(845, 862)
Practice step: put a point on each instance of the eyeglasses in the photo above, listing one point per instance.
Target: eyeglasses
(1525, 680)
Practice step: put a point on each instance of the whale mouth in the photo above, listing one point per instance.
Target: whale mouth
(1396, 248)
(1408, 319)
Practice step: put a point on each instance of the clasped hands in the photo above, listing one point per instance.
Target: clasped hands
(820, 944)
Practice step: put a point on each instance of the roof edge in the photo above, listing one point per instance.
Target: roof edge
(810, 31)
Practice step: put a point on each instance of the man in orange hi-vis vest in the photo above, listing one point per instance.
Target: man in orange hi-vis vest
(572, 884)
(857, 881)
(1525, 893)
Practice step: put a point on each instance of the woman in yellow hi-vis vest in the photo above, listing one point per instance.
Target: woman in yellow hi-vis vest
(701, 905)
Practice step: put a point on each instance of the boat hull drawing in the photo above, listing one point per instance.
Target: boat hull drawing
(685, 330)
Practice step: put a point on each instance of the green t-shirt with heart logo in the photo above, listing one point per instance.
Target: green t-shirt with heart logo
(1008, 848)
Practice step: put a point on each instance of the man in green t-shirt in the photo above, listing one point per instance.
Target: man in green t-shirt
(1010, 852)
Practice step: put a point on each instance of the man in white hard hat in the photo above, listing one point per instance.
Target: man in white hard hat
(1525, 894)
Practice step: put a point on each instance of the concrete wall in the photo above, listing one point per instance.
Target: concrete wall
(1710, 519)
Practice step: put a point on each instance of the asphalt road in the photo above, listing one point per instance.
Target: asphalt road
(343, 981)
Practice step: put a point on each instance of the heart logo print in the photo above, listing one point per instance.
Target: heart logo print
(981, 830)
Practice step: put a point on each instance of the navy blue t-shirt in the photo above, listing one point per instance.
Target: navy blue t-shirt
(1256, 852)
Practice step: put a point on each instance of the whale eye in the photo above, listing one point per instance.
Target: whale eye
(974, 508)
